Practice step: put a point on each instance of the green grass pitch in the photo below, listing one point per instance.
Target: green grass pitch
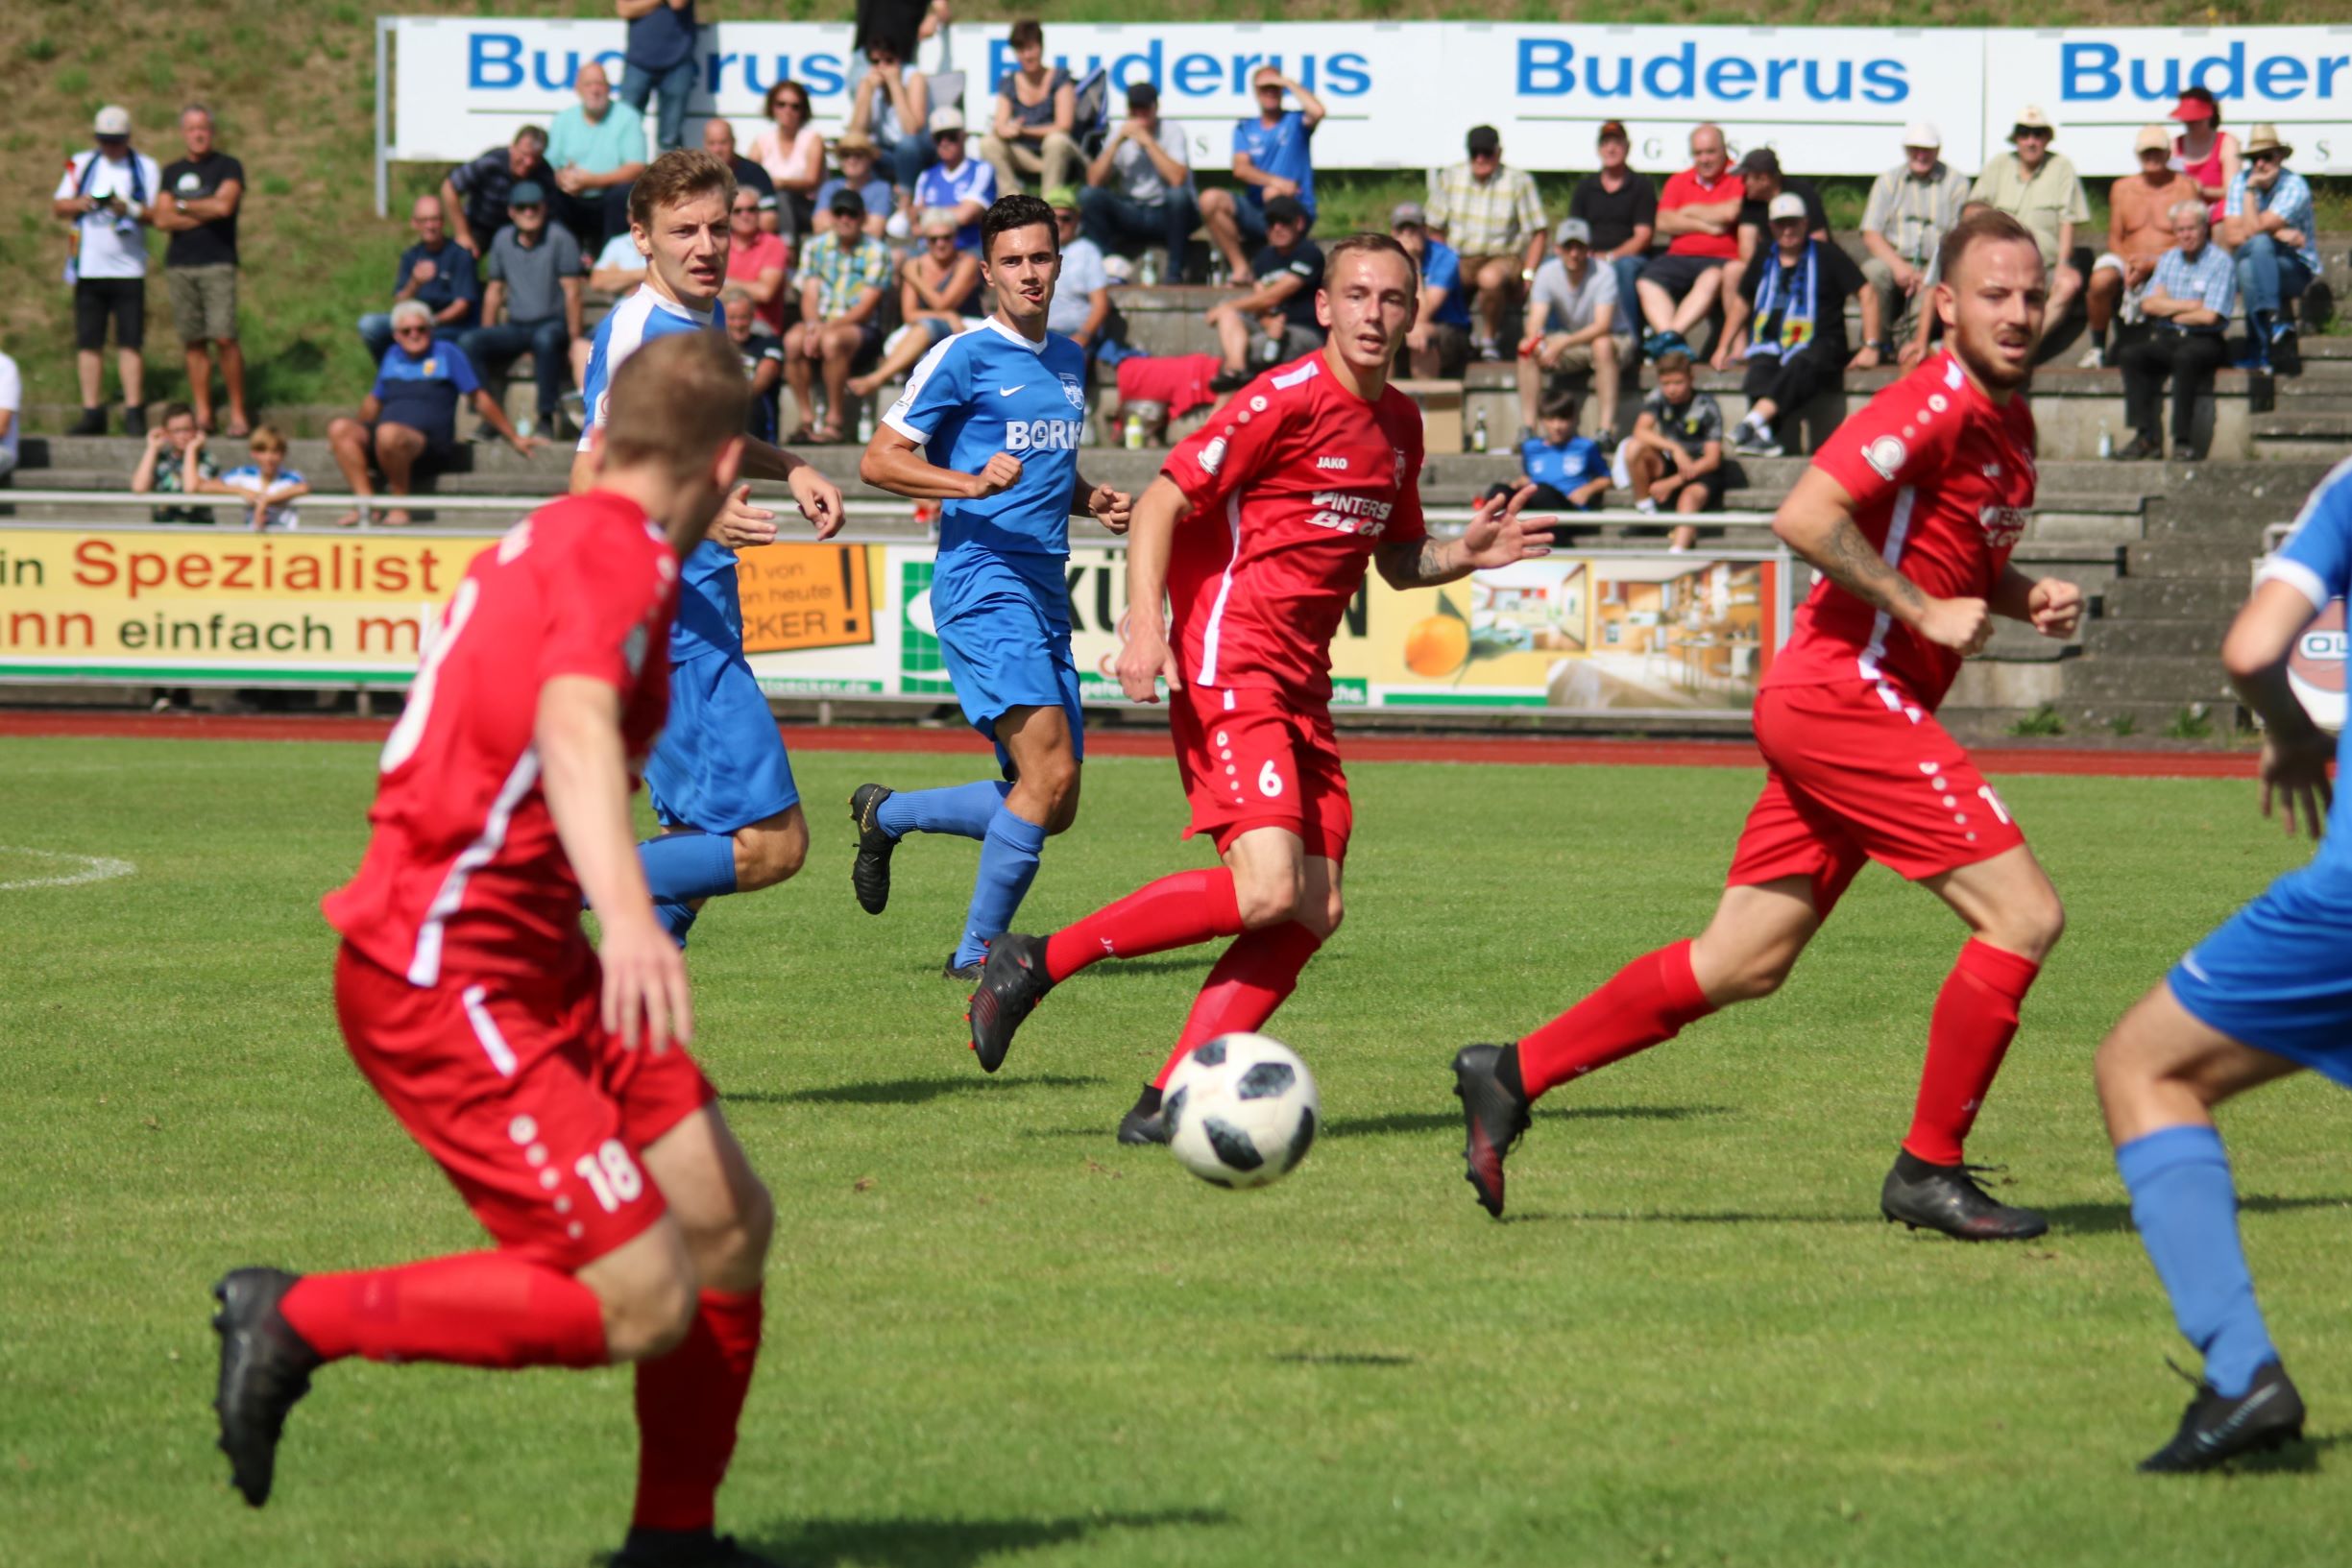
(994, 1337)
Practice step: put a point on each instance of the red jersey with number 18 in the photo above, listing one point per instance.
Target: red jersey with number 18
(464, 874)
(1942, 478)
(1292, 484)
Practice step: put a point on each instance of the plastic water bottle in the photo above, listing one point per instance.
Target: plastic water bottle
(865, 424)
(1134, 432)
(2106, 442)
(1478, 433)
(1148, 274)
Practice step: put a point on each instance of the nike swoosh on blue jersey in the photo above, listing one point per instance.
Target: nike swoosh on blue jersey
(1007, 391)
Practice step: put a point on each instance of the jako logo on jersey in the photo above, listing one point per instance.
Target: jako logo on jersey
(1347, 514)
(1339, 463)
(1213, 456)
(1041, 435)
(1886, 454)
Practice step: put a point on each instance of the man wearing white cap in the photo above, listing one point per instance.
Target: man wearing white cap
(107, 195)
(2139, 232)
(1910, 207)
(956, 183)
(1787, 325)
(2267, 219)
(2040, 189)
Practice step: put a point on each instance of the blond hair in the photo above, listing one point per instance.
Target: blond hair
(676, 401)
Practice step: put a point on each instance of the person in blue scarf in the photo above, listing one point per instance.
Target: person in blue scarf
(1788, 323)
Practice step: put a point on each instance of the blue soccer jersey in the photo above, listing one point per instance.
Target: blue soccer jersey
(1279, 149)
(2317, 560)
(709, 617)
(1562, 467)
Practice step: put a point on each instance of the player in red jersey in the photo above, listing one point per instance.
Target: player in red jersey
(1259, 529)
(550, 1082)
(1909, 513)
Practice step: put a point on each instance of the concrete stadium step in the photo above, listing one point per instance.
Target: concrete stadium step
(2296, 435)
(2209, 600)
(2146, 677)
(2187, 557)
(2142, 635)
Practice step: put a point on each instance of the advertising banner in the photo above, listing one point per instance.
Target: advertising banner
(1832, 100)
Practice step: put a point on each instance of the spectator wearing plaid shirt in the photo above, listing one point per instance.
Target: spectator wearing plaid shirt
(1910, 208)
(2188, 305)
(1493, 219)
(2267, 220)
(842, 274)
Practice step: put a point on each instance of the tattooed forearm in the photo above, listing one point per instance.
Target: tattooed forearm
(1424, 564)
(1846, 558)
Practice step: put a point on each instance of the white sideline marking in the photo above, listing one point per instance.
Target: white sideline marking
(94, 868)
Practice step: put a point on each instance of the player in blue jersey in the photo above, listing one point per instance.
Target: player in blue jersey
(988, 425)
(2266, 995)
(718, 779)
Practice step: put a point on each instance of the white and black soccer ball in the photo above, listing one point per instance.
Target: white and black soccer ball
(1241, 1110)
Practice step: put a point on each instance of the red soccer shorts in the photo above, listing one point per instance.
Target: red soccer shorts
(1252, 758)
(532, 1107)
(1857, 774)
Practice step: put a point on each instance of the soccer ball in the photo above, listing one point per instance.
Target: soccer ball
(1241, 1110)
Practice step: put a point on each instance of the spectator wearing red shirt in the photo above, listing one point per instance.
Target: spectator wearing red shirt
(757, 261)
(1699, 213)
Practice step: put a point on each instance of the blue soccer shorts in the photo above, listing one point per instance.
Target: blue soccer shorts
(2276, 975)
(1005, 650)
(720, 764)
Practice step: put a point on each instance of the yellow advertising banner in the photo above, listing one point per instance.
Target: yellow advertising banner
(798, 596)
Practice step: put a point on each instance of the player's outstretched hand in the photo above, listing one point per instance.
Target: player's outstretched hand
(1144, 658)
(1498, 535)
(819, 498)
(741, 526)
(2294, 776)
(1962, 625)
(645, 996)
(1002, 472)
(2055, 607)
(1113, 508)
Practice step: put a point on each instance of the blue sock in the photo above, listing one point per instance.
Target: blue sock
(963, 809)
(1008, 865)
(2187, 1213)
(683, 867)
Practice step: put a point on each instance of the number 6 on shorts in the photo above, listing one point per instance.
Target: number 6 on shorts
(1269, 782)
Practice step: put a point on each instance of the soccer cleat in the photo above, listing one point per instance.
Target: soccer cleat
(2215, 1429)
(685, 1549)
(1011, 984)
(869, 873)
(1144, 1122)
(1494, 1117)
(966, 973)
(1946, 1197)
(265, 1369)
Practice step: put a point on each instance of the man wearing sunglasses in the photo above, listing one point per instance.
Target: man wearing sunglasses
(1271, 157)
(408, 419)
(2266, 220)
(534, 277)
(2040, 189)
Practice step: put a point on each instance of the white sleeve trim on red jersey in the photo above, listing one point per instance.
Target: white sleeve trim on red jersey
(1215, 635)
(1897, 529)
(486, 1030)
(425, 965)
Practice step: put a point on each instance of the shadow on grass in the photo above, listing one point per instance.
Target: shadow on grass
(1340, 1357)
(904, 1091)
(949, 1543)
(1451, 1121)
(2111, 1219)
(2296, 1459)
(1726, 1216)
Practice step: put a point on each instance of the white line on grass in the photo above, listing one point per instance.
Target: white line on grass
(92, 868)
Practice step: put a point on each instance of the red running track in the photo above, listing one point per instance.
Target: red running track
(1544, 750)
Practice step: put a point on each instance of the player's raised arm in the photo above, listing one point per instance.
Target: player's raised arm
(1817, 521)
(2295, 752)
(893, 461)
(1497, 535)
(1146, 657)
(2050, 605)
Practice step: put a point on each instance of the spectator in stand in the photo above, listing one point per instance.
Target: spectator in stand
(11, 414)
(842, 274)
(1673, 461)
(2040, 189)
(619, 269)
(269, 487)
(2203, 151)
(1795, 294)
(1620, 210)
(474, 195)
(1576, 324)
(1493, 219)
(1139, 186)
(904, 25)
(660, 59)
(1699, 214)
(174, 443)
(719, 140)
(1910, 207)
(891, 107)
(2270, 221)
(1272, 156)
(597, 150)
(107, 195)
(1036, 111)
(1279, 308)
(437, 272)
(534, 282)
(856, 156)
(964, 186)
(408, 420)
(758, 262)
(1569, 473)
(762, 361)
(1761, 180)
(938, 295)
(792, 152)
(197, 203)
(1080, 306)
(2189, 305)
(1439, 342)
(2139, 232)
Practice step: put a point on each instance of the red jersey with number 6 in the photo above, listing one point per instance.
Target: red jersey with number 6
(464, 874)
(1292, 484)
(1942, 478)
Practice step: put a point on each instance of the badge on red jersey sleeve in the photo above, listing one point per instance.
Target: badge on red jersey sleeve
(1235, 445)
(1905, 435)
(606, 610)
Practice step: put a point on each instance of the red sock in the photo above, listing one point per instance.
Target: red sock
(479, 1309)
(1974, 1019)
(1257, 973)
(1646, 1002)
(686, 1405)
(1175, 912)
